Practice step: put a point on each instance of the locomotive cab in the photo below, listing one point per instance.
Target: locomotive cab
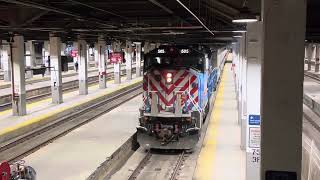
(175, 98)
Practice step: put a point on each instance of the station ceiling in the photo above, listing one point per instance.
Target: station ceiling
(153, 20)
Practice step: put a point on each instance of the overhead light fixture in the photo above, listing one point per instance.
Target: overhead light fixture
(237, 36)
(245, 15)
(172, 33)
(240, 31)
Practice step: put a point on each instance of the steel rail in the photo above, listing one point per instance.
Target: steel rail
(177, 168)
(147, 159)
(141, 165)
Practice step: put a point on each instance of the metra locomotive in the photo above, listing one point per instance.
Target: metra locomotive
(177, 85)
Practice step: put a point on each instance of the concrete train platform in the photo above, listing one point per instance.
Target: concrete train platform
(78, 154)
(221, 156)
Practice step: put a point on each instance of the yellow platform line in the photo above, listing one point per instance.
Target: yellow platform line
(47, 100)
(205, 164)
(67, 107)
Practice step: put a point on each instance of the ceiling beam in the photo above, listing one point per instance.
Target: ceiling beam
(96, 8)
(165, 8)
(29, 21)
(226, 6)
(56, 10)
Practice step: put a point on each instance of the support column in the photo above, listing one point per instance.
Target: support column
(83, 69)
(253, 83)
(138, 59)
(45, 56)
(117, 66)
(96, 55)
(102, 63)
(5, 57)
(18, 78)
(235, 50)
(146, 47)
(309, 55)
(152, 46)
(128, 55)
(55, 61)
(316, 69)
(243, 96)
(30, 58)
(88, 56)
(282, 90)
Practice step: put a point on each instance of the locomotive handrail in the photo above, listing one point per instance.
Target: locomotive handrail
(196, 105)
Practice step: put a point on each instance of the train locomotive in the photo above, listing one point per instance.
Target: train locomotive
(177, 85)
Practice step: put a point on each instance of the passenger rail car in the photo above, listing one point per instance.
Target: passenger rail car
(177, 85)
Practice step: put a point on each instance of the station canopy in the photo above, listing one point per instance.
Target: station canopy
(138, 20)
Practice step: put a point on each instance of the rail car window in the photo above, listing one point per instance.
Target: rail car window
(180, 61)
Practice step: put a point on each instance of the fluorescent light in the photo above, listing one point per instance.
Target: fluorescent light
(237, 36)
(240, 31)
(244, 20)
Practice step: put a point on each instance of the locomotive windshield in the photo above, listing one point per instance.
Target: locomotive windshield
(161, 59)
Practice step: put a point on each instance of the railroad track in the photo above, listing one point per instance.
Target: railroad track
(22, 146)
(158, 166)
(30, 99)
(313, 77)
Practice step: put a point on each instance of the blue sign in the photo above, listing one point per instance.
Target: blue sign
(254, 119)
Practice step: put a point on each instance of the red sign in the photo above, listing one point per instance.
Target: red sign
(74, 53)
(116, 57)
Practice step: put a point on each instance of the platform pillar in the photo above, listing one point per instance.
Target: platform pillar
(18, 79)
(30, 57)
(235, 62)
(102, 64)
(317, 60)
(55, 63)
(96, 55)
(146, 47)
(117, 66)
(309, 55)
(83, 67)
(88, 56)
(138, 59)
(242, 91)
(128, 57)
(6, 62)
(282, 88)
(45, 56)
(152, 46)
(253, 82)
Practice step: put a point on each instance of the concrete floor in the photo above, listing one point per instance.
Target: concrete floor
(78, 154)
(221, 157)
